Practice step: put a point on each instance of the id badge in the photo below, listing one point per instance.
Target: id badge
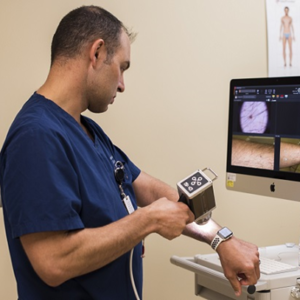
(128, 204)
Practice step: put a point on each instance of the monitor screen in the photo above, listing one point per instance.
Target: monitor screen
(263, 149)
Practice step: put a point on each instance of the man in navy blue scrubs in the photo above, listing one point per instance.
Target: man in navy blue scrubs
(70, 196)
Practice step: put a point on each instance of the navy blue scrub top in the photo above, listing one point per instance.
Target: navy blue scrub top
(54, 177)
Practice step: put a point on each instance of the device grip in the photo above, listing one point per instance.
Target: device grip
(183, 199)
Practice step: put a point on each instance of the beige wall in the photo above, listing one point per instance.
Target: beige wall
(171, 120)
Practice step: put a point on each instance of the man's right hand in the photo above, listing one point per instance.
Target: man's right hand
(169, 217)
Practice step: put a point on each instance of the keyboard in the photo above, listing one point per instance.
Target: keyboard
(267, 266)
(270, 266)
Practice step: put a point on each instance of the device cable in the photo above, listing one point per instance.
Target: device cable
(132, 277)
(119, 173)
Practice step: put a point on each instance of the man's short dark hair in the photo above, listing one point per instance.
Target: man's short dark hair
(84, 25)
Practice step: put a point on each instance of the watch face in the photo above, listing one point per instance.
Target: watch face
(225, 233)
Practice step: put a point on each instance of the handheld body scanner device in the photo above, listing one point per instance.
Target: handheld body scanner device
(196, 191)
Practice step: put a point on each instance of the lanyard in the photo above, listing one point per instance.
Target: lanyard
(119, 176)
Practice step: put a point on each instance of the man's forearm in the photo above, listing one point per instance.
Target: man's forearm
(257, 155)
(289, 155)
(149, 189)
(203, 233)
(59, 256)
(157, 189)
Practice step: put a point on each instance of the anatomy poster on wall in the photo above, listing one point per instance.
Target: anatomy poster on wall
(283, 26)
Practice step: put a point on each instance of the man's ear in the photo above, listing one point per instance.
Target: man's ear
(97, 52)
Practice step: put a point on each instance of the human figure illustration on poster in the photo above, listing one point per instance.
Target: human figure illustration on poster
(287, 35)
(283, 16)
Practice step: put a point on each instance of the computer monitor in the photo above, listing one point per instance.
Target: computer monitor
(263, 146)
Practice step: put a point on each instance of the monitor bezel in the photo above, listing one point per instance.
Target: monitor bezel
(262, 81)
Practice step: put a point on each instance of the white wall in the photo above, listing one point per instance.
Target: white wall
(171, 120)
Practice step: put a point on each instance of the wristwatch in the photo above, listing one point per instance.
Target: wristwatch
(221, 236)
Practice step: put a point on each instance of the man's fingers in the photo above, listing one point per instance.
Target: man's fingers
(236, 285)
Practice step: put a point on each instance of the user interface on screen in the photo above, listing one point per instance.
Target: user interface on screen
(264, 126)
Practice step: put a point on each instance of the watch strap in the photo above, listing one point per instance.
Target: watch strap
(217, 240)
